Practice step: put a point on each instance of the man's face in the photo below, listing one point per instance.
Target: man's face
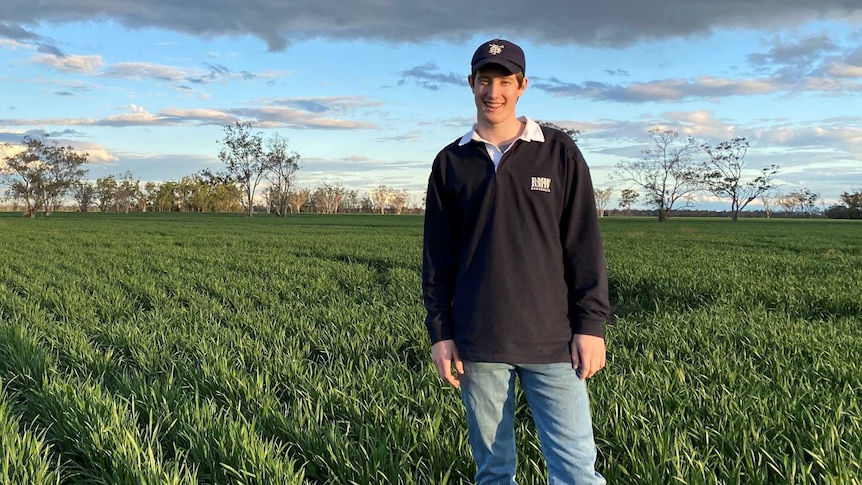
(496, 92)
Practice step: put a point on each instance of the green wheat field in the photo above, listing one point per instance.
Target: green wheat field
(217, 349)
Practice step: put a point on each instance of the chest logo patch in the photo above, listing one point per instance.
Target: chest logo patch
(541, 184)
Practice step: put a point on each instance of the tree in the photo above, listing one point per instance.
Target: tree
(399, 200)
(127, 193)
(573, 134)
(216, 192)
(147, 202)
(84, 193)
(603, 198)
(801, 201)
(297, 199)
(788, 203)
(165, 198)
(282, 169)
(382, 196)
(768, 201)
(627, 198)
(327, 197)
(723, 175)
(851, 207)
(242, 153)
(806, 201)
(106, 188)
(41, 173)
(667, 171)
(350, 202)
(367, 204)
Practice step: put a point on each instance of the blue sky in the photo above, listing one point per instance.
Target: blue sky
(367, 92)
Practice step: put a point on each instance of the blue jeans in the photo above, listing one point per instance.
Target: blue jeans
(561, 411)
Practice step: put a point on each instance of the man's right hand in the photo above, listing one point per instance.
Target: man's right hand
(444, 354)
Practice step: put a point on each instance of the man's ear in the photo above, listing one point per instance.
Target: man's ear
(470, 81)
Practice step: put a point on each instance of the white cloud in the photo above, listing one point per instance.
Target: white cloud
(97, 154)
(845, 70)
(71, 63)
(145, 70)
(14, 45)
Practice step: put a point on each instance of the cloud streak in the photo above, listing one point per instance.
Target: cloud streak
(265, 114)
(558, 21)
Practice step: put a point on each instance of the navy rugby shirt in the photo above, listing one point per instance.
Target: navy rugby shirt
(513, 263)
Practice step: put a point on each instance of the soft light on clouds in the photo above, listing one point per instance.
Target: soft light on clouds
(845, 70)
(145, 70)
(96, 154)
(71, 63)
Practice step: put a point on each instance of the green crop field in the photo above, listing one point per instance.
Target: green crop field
(191, 348)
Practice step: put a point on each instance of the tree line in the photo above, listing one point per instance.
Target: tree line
(43, 175)
(672, 171)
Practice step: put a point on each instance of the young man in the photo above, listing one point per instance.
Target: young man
(514, 278)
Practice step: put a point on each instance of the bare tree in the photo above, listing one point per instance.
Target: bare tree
(297, 199)
(327, 197)
(283, 165)
(723, 175)
(667, 171)
(801, 201)
(399, 200)
(767, 200)
(41, 173)
(350, 202)
(242, 153)
(627, 198)
(603, 198)
(806, 201)
(382, 196)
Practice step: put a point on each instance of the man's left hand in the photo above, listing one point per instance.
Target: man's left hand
(588, 355)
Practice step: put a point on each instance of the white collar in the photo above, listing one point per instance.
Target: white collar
(532, 132)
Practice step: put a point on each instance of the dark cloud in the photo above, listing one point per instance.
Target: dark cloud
(854, 58)
(64, 93)
(16, 32)
(795, 52)
(793, 60)
(67, 132)
(218, 69)
(608, 23)
(430, 77)
(617, 72)
(50, 49)
(12, 137)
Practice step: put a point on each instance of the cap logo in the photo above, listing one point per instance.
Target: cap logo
(495, 49)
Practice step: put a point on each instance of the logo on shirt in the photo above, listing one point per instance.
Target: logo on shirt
(542, 184)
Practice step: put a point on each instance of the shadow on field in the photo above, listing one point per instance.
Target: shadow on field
(647, 298)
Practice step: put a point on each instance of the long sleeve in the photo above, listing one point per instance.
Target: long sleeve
(584, 258)
(439, 257)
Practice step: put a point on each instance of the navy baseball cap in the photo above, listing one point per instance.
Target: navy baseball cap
(501, 52)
